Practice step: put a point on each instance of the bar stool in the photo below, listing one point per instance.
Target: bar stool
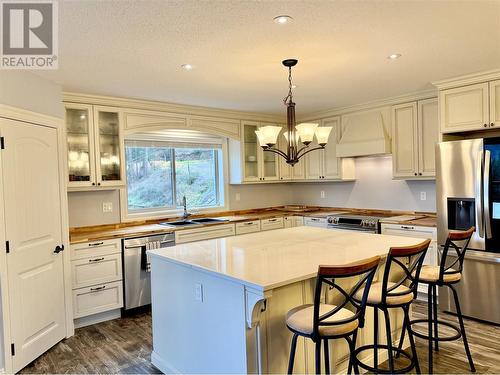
(322, 322)
(446, 274)
(387, 295)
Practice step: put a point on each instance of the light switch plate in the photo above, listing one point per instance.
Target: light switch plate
(322, 193)
(107, 207)
(237, 197)
(423, 196)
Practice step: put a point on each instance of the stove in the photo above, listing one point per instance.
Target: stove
(354, 222)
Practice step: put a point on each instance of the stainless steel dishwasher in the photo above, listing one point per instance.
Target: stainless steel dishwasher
(136, 268)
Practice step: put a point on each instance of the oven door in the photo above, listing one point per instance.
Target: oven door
(351, 228)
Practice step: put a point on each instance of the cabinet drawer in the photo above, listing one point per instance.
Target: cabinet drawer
(96, 270)
(274, 223)
(95, 249)
(315, 222)
(96, 299)
(205, 233)
(248, 227)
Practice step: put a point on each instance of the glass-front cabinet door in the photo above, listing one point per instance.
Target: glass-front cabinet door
(270, 162)
(109, 160)
(251, 152)
(80, 145)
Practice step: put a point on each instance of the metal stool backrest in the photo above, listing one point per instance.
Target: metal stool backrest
(328, 274)
(410, 272)
(451, 242)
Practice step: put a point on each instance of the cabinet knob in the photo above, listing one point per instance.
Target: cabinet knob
(420, 173)
(99, 184)
(485, 125)
(93, 183)
(415, 173)
(492, 124)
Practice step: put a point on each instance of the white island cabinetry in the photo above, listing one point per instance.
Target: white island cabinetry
(235, 293)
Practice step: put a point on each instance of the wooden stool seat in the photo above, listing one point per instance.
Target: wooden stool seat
(375, 294)
(300, 319)
(430, 274)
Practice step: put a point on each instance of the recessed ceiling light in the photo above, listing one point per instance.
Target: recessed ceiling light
(281, 20)
(394, 56)
(187, 66)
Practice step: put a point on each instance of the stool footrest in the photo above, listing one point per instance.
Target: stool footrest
(379, 370)
(439, 338)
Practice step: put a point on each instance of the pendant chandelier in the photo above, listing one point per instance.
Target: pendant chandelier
(294, 134)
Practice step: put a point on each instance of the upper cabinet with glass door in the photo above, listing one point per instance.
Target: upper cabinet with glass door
(95, 146)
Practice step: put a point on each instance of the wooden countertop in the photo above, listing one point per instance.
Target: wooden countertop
(142, 228)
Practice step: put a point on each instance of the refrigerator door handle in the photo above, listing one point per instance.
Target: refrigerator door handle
(486, 193)
(479, 194)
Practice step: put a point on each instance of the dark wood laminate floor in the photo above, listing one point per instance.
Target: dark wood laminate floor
(124, 346)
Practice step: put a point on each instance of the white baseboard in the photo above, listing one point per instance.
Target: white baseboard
(97, 318)
(162, 365)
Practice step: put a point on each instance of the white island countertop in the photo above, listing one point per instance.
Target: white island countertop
(267, 260)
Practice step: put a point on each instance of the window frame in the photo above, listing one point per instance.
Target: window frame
(221, 162)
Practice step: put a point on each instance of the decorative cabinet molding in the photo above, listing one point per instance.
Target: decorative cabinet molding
(414, 135)
(140, 120)
(94, 143)
(227, 127)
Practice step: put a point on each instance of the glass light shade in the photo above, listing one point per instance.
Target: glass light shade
(306, 131)
(322, 134)
(269, 134)
(297, 136)
(260, 137)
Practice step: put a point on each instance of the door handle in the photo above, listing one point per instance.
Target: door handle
(58, 249)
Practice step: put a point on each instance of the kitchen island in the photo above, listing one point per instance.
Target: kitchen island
(219, 306)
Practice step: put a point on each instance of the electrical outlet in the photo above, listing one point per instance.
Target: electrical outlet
(198, 292)
(238, 197)
(423, 196)
(322, 193)
(107, 207)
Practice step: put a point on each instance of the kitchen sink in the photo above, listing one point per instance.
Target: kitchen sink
(207, 220)
(180, 223)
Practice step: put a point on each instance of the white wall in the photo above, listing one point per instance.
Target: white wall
(28, 91)
(373, 188)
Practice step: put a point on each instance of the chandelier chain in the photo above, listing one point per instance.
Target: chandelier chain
(289, 97)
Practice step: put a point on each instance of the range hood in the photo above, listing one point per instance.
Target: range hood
(364, 134)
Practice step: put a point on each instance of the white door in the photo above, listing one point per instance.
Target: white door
(30, 174)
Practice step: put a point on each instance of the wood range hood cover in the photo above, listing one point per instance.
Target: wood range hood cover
(364, 134)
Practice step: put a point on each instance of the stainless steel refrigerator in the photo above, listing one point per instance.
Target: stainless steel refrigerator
(468, 193)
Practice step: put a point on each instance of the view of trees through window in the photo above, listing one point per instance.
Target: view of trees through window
(152, 179)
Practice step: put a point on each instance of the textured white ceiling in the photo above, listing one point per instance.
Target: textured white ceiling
(134, 49)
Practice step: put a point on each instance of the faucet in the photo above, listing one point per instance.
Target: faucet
(186, 214)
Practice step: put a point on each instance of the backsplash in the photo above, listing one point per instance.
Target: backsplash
(374, 188)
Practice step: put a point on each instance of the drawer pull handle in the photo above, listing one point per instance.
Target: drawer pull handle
(272, 220)
(250, 223)
(98, 288)
(405, 227)
(96, 243)
(95, 260)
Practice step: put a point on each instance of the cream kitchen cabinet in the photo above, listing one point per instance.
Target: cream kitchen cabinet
(272, 223)
(248, 227)
(293, 221)
(431, 257)
(467, 108)
(95, 146)
(96, 273)
(249, 163)
(324, 164)
(415, 132)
